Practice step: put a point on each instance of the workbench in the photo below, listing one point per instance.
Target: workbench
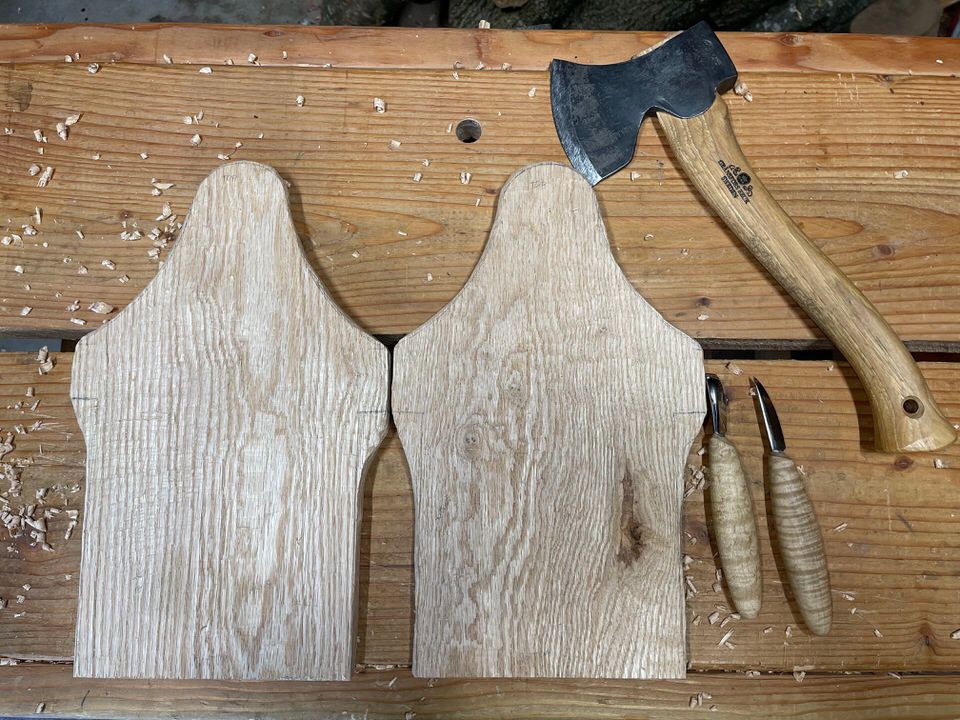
(856, 136)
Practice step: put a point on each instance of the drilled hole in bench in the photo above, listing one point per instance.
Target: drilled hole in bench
(469, 130)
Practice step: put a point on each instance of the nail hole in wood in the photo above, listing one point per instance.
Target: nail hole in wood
(912, 407)
(469, 130)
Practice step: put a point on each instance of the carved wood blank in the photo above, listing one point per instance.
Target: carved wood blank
(228, 414)
(546, 414)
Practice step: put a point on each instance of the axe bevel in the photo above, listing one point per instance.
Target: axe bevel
(598, 109)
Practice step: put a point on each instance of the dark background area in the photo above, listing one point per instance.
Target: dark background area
(905, 17)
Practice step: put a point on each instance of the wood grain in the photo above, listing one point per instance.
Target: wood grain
(827, 146)
(800, 539)
(392, 694)
(546, 413)
(734, 526)
(439, 49)
(898, 558)
(905, 417)
(228, 415)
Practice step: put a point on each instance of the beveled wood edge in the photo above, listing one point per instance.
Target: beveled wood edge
(441, 48)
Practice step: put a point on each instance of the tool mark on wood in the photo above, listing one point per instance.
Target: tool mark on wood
(631, 530)
(906, 522)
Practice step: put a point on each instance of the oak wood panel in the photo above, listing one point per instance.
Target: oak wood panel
(393, 694)
(393, 251)
(546, 414)
(441, 48)
(898, 557)
(228, 415)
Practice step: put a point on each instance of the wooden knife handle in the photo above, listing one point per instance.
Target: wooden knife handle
(734, 526)
(905, 416)
(801, 544)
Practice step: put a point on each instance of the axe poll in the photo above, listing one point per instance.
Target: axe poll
(598, 109)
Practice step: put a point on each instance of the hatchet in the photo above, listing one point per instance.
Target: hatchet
(598, 109)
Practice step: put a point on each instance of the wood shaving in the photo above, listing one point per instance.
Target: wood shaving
(465, 177)
(187, 119)
(743, 91)
(878, 633)
(43, 354)
(206, 70)
(484, 25)
(955, 635)
(252, 59)
(901, 174)
(395, 144)
(93, 68)
(799, 675)
(417, 177)
(300, 100)
(37, 215)
(40, 707)
(25, 310)
(62, 130)
(33, 170)
(74, 306)
(841, 527)
(101, 308)
(849, 597)
(161, 185)
(72, 119)
(123, 279)
(39, 136)
(166, 59)
(45, 177)
(713, 617)
(532, 92)
(29, 230)
(144, 156)
(725, 638)
(18, 269)
(108, 264)
(283, 54)
(95, 156)
(938, 463)
(703, 316)
(379, 105)
(196, 140)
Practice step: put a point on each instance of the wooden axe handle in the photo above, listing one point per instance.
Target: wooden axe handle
(905, 416)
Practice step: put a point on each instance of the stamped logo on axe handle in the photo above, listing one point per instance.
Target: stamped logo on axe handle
(598, 109)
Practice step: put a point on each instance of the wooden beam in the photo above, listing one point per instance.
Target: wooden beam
(393, 693)
(896, 561)
(868, 165)
(439, 49)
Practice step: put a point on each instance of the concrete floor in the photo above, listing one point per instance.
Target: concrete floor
(285, 12)
(123, 11)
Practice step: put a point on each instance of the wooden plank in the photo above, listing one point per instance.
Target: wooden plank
(393, 693)
(393, 251)
(546, 414)
(898, 557)
(441, 48)
(222, 490)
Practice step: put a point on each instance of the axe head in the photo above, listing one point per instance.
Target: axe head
(597, 109)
